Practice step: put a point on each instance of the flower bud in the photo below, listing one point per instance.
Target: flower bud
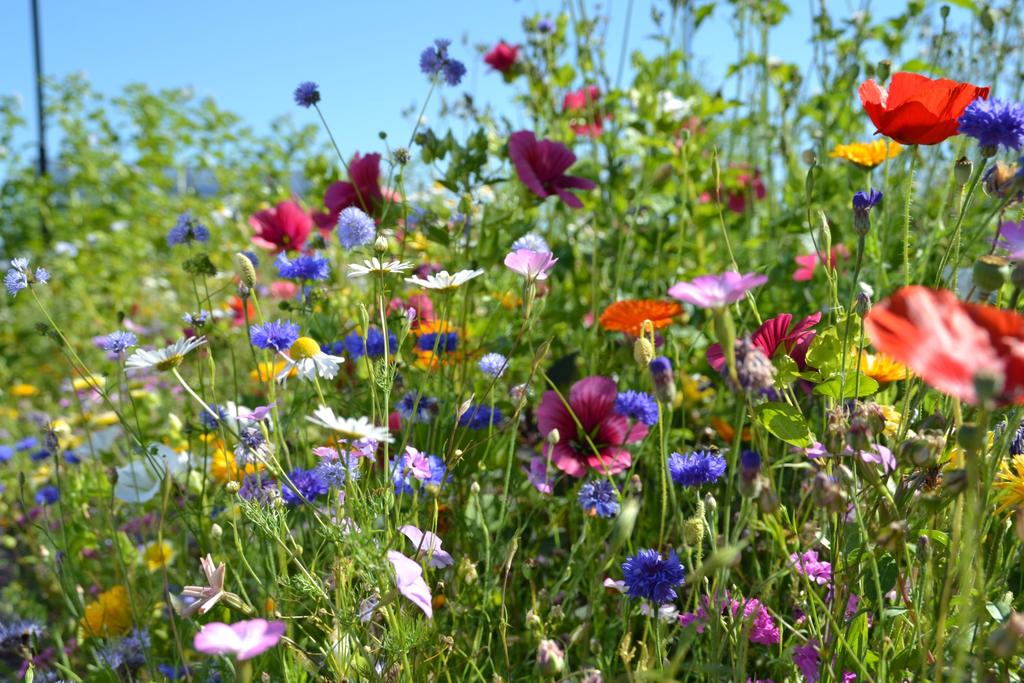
(924, 548)
(962, 171)
(971, 437)
(664, 382)
(381, 243)
(554, 436)
(643, 351)
(954, 481)
(693, 531)
(244, 269)
(768, 500)
(1018, 524)
(232, 487)
(991, 272)
(216, 531)
(891, 537)
(883, 69)
(550, 658)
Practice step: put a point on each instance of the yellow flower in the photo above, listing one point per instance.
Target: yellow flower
(23, 390)
(224, 467)
(867, 154)
(1009, 484)
(104, 419)
(883, 368)
(893, 419)
(696, 388)
(417, 241)
(110, 614)
(158, 555)
(88, 382)
(268, 371)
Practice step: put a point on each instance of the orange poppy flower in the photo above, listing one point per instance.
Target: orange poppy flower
(629, 316)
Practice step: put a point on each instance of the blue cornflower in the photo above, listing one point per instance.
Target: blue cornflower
(119, 342)
(196, 319)
(256, 487)
(172, 672)
(661, 376)
(253, 258)
(26, 444)
(648, 576)
(531, 241)
(865, 201)
(306, 485)
(209, 421)
(454, 70)
(545, 26)
(493, 365)
(129, 652)
(307, 94)
(6, 453)
(416, 407)
(480, 417)
(187, 230)
(303, 267)
(339, 470)
(355, 228)
(334, 348)
(638, 406)
(435, 60)
(374, 347)
(445, 342)
(278, 335)
(40, 455)
(19, 276)
(750, 461)
(994, 123)
(47, 495)
(599, 498)
(696, 468)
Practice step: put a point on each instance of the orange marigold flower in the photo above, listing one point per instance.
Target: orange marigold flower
(109, 616)
(883, 368)
(629, 316)
(867, 154)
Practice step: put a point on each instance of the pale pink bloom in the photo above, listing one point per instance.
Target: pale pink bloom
(409, 581)
(205, 596)
(715, 291)
(428, 544)
(417, 463)
(532, 265)
(243, 639)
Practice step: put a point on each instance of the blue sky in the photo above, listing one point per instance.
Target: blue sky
(250, 55)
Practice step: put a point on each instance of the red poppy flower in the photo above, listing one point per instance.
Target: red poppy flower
(239, 310)
(774, 333)
(362, 190)
(542, 166)
(502, 56)
(592, 401)
(582, 104)
(917, 110)
(283, 228)
(949, 343)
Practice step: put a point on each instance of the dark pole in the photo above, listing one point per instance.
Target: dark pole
(40, 105)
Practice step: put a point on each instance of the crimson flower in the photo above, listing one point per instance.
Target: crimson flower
(775, 333)
(600, 428)
(951, 344)
(541, 166)
(283, 228)
(917, 110)
(582, 105)
(361, 190)
(502, 56)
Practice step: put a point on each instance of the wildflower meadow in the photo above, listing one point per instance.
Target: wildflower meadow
(649, 378)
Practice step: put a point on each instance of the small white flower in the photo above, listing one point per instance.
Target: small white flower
(445, 281)
(140, 480)
(353, 428)
(375, 265)
(165, 358)
(306, 358)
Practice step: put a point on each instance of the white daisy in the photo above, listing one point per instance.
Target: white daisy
(444, 280)
(165, 358)
(375, 265)
(354, 428)
(306, 358)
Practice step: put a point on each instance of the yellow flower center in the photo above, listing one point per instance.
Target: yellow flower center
(168, 363)
(304, 347)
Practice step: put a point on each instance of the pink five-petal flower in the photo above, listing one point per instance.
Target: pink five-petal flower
(418, 464)
(283, 228)
(243, 639)
(532, 265)
(582, 104)
(502, 56)
(808, 564)
(715, 291)
(362, 190)
(409, 581)
(541, 166)
(808, 263)
(773, 334)
(428, 544)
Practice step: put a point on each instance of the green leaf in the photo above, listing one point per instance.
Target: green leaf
(857, 386)
(787, 371)
(785, 422)
(825, 352)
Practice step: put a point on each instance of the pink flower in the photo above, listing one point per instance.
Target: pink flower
(538, 475)
(583, 102)
(361, 190)
(806, 659)
(409, 581)
(715, 291)
(428, 545)
(283, 228)
(597, 442)
(532, 265)
(541, 166)
(243, 639)
(282, 289)
(418, 464)
(502, 56)
(775, 333)
(809, 262)
(819, 572)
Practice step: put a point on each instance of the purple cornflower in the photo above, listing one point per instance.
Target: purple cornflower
(337, 469)
(696, 469)
(994, 123)
(648, 576)
(480, 417)
(1011, 238)
(256, 487)
(278, 335)
(819, 572)
(355, 228)
(599, 498)
(637, 405)
(493, 365)
(435, 60)
(545, 26)
(196, 319)
(661, 376)
(208, 420)
(119, 342)
(306, 485)
(307, 94)
(303, 267)
(716, 291)
(187, 230)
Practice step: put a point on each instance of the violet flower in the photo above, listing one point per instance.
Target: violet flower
(716, 291)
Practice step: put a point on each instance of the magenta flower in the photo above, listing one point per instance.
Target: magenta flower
(428, 544)
(596, 442)
(532, 265)
(541, 166)
(243, 639)
(818, 571)
(409, 581)
(806, 659)
(716, 291)
(1011, 238)
(775, 333)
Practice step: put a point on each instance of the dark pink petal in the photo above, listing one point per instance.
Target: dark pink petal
(593, 399)
(552, 414)
(521, 146)
(611, 461)
(339, 195)
(566, 459)
(552, 159)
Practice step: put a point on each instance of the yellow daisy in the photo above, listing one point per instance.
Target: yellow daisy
(867, 154)
(1009, 484)
(157, 555)
(883, 368)
(109, 615)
